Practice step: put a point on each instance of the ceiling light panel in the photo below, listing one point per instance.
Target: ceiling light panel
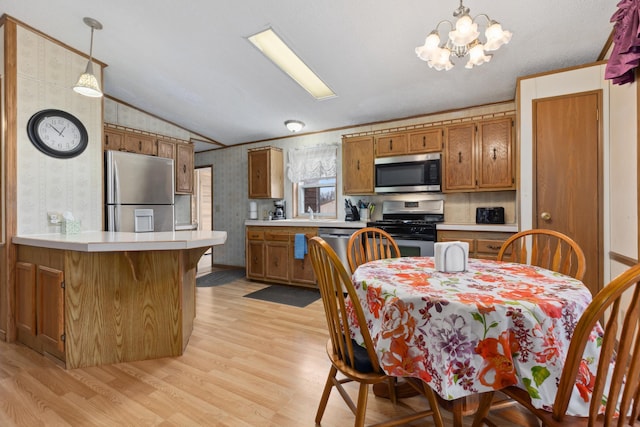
(277, 51)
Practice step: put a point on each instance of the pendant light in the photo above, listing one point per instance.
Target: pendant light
(87, 83)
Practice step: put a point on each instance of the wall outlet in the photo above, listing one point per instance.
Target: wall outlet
(54, 217)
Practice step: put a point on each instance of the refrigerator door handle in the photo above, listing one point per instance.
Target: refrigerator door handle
(116, 183)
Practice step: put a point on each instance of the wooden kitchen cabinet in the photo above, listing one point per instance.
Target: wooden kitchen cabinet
(113, 139)
(276, 249)
(139, 143)
(40, 302)
(427, 141)
(478, 156)
(166, 149)
(266, 173)
(495, 155)
(459, 158)
(357, 165)
(482, 244)
(184, 168)
(270, 255)
(391, 145)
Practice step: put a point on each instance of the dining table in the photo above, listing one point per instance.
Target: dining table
(493, 325)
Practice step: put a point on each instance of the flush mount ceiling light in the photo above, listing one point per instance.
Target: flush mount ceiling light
(277, 51)
(294, 125)
(463, 40)
(87, 83)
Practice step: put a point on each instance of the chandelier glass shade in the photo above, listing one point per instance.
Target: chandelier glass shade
(87, 84)
(463, 39)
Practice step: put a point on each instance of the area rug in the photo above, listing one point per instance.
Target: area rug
(221, 277)
(289, 295)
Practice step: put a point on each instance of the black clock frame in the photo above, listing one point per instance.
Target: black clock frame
(32, 131)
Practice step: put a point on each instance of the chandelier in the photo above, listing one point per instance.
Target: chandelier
(463, 40)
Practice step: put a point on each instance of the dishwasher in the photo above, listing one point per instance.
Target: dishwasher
(338, 238)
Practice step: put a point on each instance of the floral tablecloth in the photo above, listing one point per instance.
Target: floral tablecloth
(494, 325)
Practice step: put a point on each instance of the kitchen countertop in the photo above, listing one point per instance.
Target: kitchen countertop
(110, 241)
(508, 228)
(335, 223)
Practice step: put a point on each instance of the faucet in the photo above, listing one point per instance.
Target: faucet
(310, 212)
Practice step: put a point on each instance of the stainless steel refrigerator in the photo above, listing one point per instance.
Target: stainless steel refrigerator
(139, 192)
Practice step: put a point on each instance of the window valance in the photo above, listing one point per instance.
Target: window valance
(312, 163)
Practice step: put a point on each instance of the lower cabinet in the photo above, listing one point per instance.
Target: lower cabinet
(40, 305)
(270, 255)
(482, 244)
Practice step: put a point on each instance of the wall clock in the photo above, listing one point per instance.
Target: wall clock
(57, 133)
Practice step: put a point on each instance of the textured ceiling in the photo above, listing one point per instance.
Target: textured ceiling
(190, 63)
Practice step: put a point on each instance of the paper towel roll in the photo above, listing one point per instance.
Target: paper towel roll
(253, 210)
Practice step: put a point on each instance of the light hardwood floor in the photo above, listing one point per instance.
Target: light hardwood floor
(248, 363)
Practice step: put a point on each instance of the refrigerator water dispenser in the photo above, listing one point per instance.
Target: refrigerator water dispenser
(143, 220)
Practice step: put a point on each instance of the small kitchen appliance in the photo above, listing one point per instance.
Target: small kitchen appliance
(490, 215)
(279, 209)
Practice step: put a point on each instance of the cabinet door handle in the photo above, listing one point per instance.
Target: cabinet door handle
(459, 156)
(184, 168)
(391, 145)
(358, 167)
(140, 145)
(546, 216)
(494, 247)
(494, 154)
(106, 137)
(424, 141)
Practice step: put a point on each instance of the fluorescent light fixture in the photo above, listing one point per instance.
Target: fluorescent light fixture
(277, 51)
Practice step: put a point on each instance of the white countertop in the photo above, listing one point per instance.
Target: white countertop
(509, 228)
(110, 241)
(335, 223)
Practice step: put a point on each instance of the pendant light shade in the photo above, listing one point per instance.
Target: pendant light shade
(87, 84)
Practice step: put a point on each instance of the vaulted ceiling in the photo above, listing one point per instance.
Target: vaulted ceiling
(189, 62)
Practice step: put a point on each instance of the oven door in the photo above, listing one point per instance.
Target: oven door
(413, 247)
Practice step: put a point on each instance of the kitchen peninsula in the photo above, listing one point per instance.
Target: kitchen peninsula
(97, 298)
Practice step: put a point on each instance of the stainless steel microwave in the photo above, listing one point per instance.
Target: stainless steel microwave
(408, 174)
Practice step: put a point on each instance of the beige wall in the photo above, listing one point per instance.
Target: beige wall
(46, 72)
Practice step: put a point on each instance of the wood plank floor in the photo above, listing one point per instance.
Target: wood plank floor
(248, 363)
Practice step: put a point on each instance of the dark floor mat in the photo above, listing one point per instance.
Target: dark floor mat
(289, 295)
(221, 277)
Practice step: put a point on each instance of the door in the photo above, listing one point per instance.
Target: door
(568, 173)
(202, 205)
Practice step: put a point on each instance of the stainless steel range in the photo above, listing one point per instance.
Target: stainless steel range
(411, 224)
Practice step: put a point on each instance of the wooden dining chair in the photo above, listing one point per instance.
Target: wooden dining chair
(368, 244)
(547, 249)
(353, 361)
(619, 304)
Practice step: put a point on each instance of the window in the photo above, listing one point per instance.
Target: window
(317, 194)
(313, 174)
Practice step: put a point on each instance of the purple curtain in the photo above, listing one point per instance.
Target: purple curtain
(625, 56)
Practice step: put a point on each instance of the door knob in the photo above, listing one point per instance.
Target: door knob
(546, 216)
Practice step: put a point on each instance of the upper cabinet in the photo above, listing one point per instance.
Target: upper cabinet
(266, 173)
(478, 156)
(166, 149)
(184, 168)
(426, 141)
(391, 145)
(139, 143)
(415, 142)
(357, 165)
(113, 139)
